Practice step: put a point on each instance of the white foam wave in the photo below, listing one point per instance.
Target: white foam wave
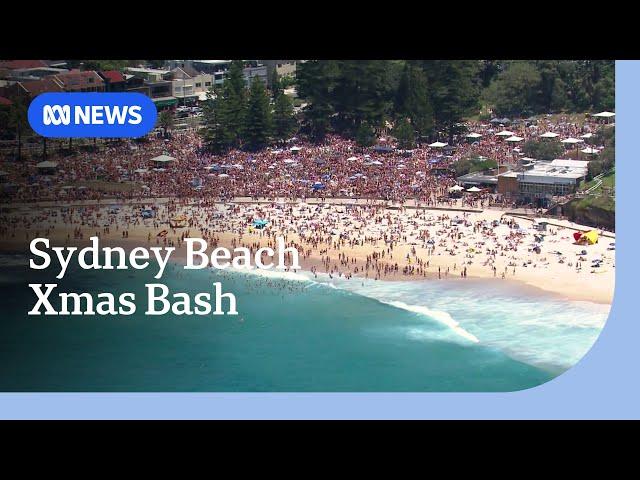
(273, 274)
(437, 315)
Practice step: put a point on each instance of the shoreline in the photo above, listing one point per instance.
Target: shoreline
(179, 257)
(372, 257)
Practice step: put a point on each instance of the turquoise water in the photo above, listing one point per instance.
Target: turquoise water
(292, 334)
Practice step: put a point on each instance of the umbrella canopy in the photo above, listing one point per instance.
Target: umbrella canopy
(474, 135)
(352, 159)
(571, 141)
(604, 115)
(295, 149)
(549, 135)
(47, 164)
(456, 188)
(590, 151)
(473, 189)
(514, 138)
(223, 175)
(163, 159)
(587, 135)
(505, 133)
(438, 145)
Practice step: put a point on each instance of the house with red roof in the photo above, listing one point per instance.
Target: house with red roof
(114, 81)
(80, 81)
(22, 64)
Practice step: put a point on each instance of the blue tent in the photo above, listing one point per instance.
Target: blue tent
(147, 213)
(318, 186)
(382, 149)
(260, 223)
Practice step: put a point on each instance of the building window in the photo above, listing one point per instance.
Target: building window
(198, 85)
(207, 84)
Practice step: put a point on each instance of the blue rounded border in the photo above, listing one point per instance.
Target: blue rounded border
(605, 384)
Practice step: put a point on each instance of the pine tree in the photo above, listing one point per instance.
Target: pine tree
(316, 82)
(258, 122)
(284, 123)
(455, 91)
(276, 85)
(412, 99)
(214, 132)
(403, 131)
(365, 136)
(234, 102)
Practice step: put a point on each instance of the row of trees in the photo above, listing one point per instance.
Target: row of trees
(357, 97)
(239, 117)
(528, 87)
(430, 98)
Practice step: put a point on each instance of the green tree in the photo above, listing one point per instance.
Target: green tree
(284, 123)
(316, 81)
(276, 84)
(412, 99)
(365, 136)
(166, 121)
(234, 103)
(403, 131)
(361, 94)
(17, 120)
(543, 149)
(214, 131)
(516, 90)
(454, 86)
(258, 127)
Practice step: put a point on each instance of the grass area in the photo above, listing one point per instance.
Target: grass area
(608, 181)
(604, 202)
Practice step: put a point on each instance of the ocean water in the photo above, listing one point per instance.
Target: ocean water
(293, 333)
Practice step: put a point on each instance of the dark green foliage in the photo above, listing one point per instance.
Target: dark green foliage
(284, 123)
(470, 165)
(365, 136)
(258, 122)
(526, 87)
(412, 99)
(404, 133)
(543, 149)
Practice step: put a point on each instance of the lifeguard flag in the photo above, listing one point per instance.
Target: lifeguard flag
(577, 235)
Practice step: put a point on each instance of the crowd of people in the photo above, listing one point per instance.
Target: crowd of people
(336, 168)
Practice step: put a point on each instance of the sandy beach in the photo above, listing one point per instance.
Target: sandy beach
(346, 239)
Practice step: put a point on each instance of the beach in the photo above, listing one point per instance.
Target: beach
(346, 239)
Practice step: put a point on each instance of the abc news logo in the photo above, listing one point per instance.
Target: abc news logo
(92, 115)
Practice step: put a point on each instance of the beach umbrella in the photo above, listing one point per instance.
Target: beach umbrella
(289, 161)
(587, 135)
(456, 188)
(505, 133)
(590, 151)
(223, 175)
(571, 141)
(549, 135)
(352, 159)
(514, 138)
(474, 135)
(604, 115)
(495, 120)
(473, 189)
(438, 145)
(295, 149)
